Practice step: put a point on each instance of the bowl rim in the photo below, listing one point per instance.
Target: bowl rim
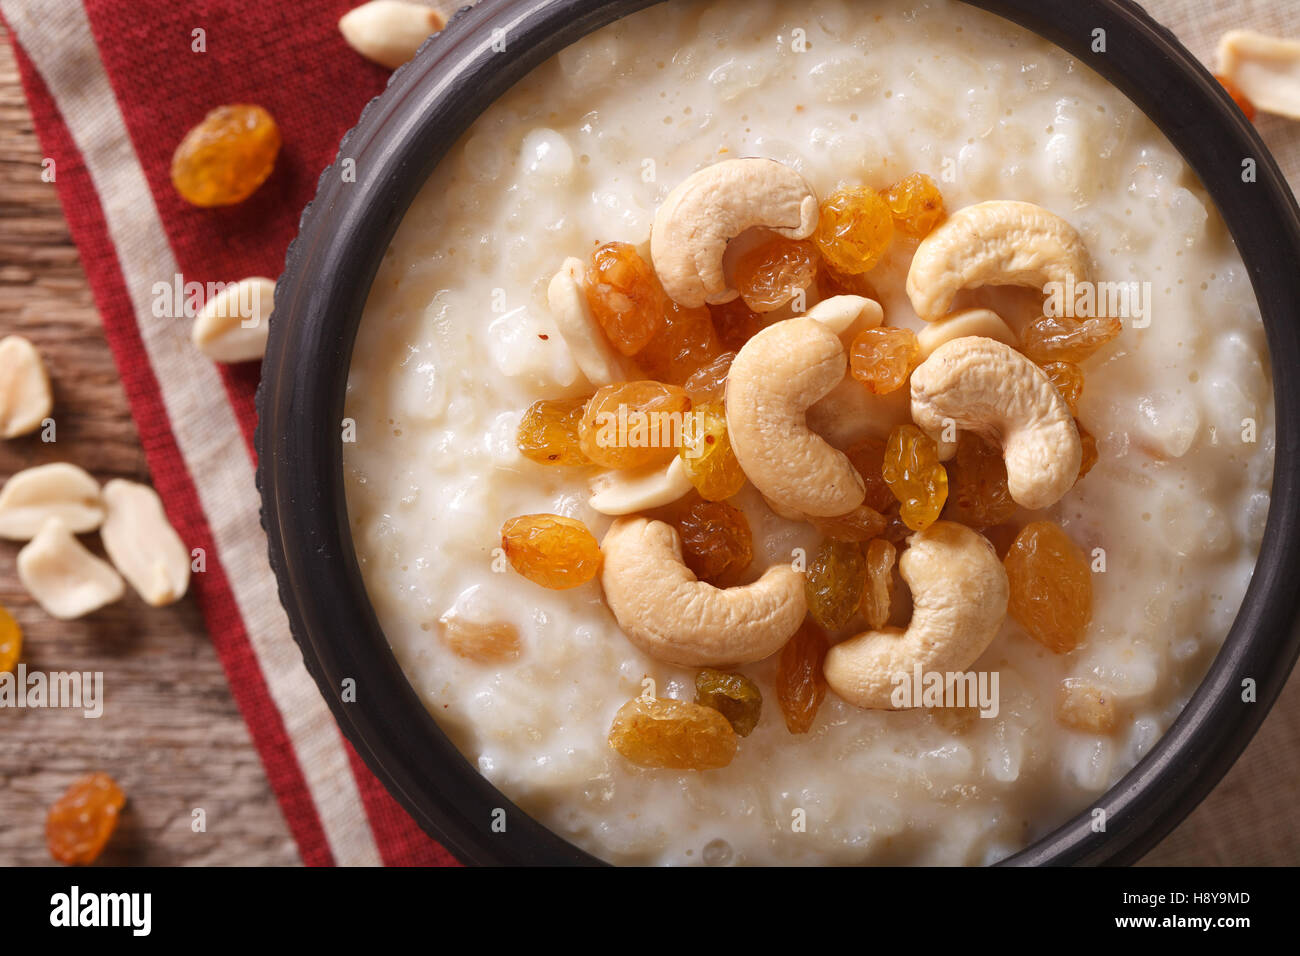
(343, 233)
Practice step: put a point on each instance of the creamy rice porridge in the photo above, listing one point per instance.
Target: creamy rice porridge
(458, 340)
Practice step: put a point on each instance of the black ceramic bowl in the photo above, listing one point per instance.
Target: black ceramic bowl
(399, 139)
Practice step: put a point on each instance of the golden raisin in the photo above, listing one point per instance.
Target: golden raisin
(633, 424)
(625, 296)
(1051, 586)
(1089, 444)
(879, 587)
(666, 734)
(916, 205)
(800, 684)
(707, 457)
(486, 643)
(1062, 339)
(11, 641)
(1068, 379)
(915, 476)
(551, 550)
(684, 342)
(833, 583)
(708, 384)
(978, 495)
(548, 432)
(861, 524)
(735, 323)
(734, 696)
(774, 272)
(854, 229)
(1082, 705)
(868, 457)
(882, 358)
(81, 821)
(717, 544)
(223, 159)
(1243, 102)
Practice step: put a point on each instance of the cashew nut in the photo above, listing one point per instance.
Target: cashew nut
(58, 490)
(676, 618)
(959, 593)
(616, 492)
(142, 544)
(389, 31)
(1266, 69)
(775, 376)
(587, 343)
(989, 388)
(64, 578)
(847, 315)
(714, 205)
(25, 399)
(982, 322)
(1001, 242)
(233, 325)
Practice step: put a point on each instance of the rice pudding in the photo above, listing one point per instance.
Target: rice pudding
(460, 337)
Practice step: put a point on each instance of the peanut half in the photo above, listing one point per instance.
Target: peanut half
(64, 578)
(58, 490)
(142, 544)
(389, 31)
(234, 324)
(25, 399)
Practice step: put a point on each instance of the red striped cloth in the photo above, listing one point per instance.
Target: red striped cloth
(113, 86)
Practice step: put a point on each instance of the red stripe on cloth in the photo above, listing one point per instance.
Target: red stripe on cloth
(403, 843)
(170, 476)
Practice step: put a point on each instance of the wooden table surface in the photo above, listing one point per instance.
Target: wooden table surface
(170, 733)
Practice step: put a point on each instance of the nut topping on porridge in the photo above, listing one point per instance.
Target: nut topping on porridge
(989, 388)
(1001, 242)
(775, 377)
(959, 589)
(592, 352)
(985, 323)
(616, 492)
(847, 315)
(1083, 705)
(675, 617)
(714, 205)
